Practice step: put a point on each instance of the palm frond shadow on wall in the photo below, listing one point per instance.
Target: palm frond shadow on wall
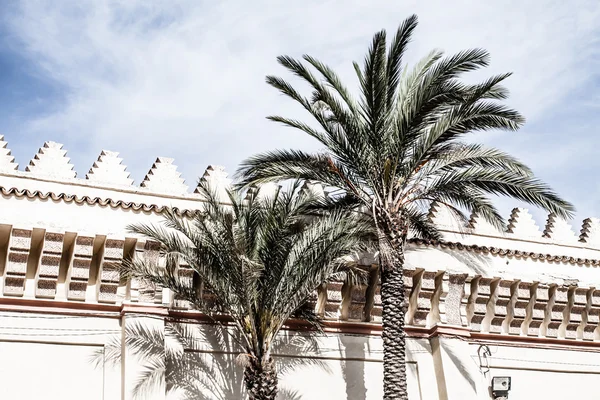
(191, 361)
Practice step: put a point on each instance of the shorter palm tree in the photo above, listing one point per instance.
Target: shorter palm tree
(262, 256)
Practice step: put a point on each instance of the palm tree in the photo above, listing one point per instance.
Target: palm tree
(397, 149)
(261, 256)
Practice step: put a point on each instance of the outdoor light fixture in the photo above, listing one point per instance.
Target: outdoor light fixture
(500, 387)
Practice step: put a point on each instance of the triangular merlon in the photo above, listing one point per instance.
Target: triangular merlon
(521, 224)
(109, 169)
(51, 161)
(218, 180)
(559, 230)
(7, 160)
(590, 232)
(164, 177)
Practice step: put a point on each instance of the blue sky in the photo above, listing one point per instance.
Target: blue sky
(185, 79)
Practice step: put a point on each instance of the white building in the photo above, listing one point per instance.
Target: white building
(482, 304)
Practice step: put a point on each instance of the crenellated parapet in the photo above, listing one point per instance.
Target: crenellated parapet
(51, 176)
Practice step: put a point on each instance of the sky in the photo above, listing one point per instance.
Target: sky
(186, 79)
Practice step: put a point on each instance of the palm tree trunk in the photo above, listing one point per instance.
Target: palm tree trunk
(391, 259)
(261, 380)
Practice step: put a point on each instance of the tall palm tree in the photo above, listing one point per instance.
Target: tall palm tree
(397, 148)
(262, 256)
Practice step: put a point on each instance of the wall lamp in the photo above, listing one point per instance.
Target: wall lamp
(500, 387)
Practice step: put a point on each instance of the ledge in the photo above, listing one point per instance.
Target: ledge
(70, 308)
(54, 307)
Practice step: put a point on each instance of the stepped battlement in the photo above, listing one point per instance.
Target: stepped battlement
(51, 175)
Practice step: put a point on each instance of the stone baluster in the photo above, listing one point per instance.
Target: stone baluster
(108, 273)
(321, 300)
(585, 331)
(186, 275)
(470, 306)
(540, 314)
(559, 313)
(16, 264)
(371, 293)
(504, 306)
(592, 328)
(425, 298)
(484, 303)
(525, 296)
(346, 292)
(358, 299)
(149, 292)
(412, 287)
(334, 299)
(47, 273)
(79, 268)
(452, 300)
(574, 320)
(434, 317)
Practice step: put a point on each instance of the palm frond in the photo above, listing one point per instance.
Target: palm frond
(397, 50)
(399, 146)
(262, 256)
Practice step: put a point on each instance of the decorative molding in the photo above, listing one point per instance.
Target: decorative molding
(93, 201)
(496, 251)
(163, 177)
(109, 169)
(51, 161)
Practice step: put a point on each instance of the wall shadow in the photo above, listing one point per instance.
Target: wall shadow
(353, 347)
(196, 361)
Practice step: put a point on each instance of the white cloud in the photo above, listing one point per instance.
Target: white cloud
(186, 79)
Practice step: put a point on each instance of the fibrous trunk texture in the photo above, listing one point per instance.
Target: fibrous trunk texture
(261, 380)
(391, 245)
